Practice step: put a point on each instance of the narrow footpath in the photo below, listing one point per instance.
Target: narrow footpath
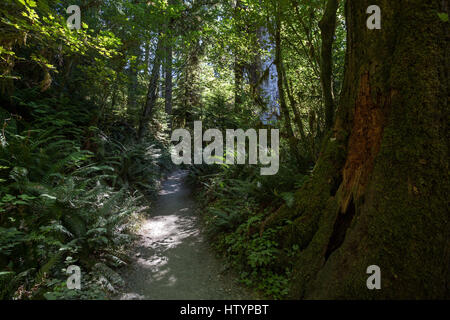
(172, 258)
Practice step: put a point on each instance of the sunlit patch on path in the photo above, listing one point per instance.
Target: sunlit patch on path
(172, 260)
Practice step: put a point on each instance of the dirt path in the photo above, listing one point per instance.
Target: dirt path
(173, 260)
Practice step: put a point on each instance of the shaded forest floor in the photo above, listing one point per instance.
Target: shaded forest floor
(172, 258)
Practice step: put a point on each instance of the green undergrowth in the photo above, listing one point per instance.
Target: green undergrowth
(70, 194)
(234, 203)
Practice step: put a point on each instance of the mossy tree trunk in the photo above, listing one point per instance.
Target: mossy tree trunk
(378, 194)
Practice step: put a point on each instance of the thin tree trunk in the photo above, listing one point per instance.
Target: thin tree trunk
(238, 80)
(168, 80)
(328, 28)
(132, 78)
(168, 70)
(254, 69)
(283, 106)
(297, 117)
(238, 65)
(152, 93)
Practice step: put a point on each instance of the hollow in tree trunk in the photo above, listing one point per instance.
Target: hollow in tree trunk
(378, 193)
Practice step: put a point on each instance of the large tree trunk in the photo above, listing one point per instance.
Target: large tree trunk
(254, 68)
(379, 191)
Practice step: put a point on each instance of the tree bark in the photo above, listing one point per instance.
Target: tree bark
(168, 68)
(146, 57)
(168, 80)
(152, 93)
(283, 106)
(297, 117)
(238, 64)
(188, 84)
(378, 193)
(254, 68)
(328, 28)
(133, 78)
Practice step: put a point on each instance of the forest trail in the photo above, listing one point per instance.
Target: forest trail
(172, 258)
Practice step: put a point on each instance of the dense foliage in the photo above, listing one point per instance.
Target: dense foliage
(74, 177)
(86, 117)
(76, 160)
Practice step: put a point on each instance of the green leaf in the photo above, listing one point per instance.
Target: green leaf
(8, 198)
(443, 16)
(26, 197)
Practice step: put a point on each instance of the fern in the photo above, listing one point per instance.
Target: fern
(45, 269)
